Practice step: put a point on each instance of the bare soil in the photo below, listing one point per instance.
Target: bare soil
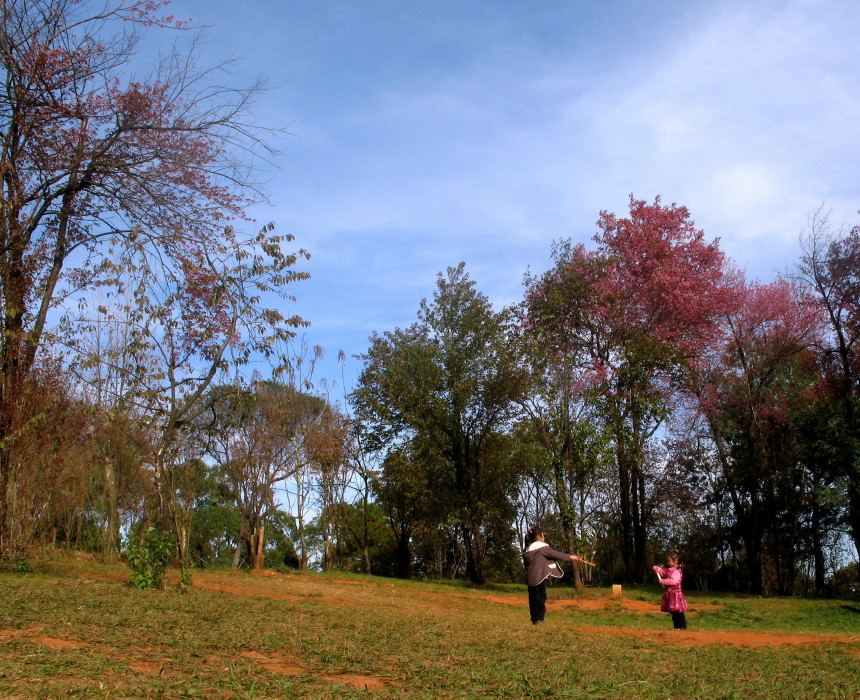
(690, 638)
(291, 666)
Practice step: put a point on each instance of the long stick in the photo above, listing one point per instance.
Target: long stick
(586, 562)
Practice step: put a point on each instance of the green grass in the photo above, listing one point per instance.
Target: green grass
(65, 633)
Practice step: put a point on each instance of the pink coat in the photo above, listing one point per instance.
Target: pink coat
(673, 599)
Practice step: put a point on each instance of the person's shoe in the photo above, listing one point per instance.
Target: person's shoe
(537, 622)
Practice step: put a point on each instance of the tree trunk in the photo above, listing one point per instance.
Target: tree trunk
(182, 544)
(404, 555)
(11, 357)
(640, 533)
(752, 545)
(328, 551)
(568, 518)
(365, 553)
(628, 546)
(475, 554)
(162, 488)
(570, 545)
(5, 471)
(257, 554)
(303, 551)
(817, 548)
(112, 519)
(854, 511)
(851, 460)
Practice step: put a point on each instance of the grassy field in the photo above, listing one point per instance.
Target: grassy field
(73, 630)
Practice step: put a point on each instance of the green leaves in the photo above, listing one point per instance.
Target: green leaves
(435, 397)
(148, 558)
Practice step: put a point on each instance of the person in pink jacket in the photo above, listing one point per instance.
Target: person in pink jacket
(540, 560)
(673, 601)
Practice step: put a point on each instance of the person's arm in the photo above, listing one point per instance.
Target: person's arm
(550, 553)
(670, 577)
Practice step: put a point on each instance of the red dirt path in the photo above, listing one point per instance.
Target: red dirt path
(594, 604)
(693, 638)
(690, 637)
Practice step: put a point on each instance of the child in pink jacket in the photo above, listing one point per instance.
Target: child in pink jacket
(673, 601)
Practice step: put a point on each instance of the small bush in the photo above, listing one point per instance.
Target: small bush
(22, 567)
(148, 558)
(185, 581)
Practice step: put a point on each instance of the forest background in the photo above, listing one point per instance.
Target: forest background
(157, 396)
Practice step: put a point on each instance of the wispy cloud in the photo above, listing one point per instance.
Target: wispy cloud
(429, 135)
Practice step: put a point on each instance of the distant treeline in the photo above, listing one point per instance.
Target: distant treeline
(155, 395)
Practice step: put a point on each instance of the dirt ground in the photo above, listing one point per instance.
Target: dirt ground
(281, 665)
(689, 637)
(291, 587)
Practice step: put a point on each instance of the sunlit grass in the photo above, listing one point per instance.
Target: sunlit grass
(69, 633)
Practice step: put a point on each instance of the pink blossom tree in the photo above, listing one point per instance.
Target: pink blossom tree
(640, 307)
(756, 374)
(99, 169)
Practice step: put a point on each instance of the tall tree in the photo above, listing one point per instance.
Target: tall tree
(830, 269)
(747, 388)
(660, 295)
(106, 377)
(328, 450)
(404, 489)
(97, 166)
(52, 468)
(444, 387)
(640, 306)
(561, 404)
(254, 435)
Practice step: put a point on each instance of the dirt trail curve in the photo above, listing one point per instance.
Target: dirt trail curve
(689, 637)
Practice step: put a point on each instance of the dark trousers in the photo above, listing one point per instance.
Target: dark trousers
(679, 620)
(537, 601)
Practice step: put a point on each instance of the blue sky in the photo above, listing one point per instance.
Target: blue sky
(426, 133)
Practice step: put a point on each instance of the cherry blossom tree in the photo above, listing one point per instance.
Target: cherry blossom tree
(639, 308)
(104, 173)
(747, 386)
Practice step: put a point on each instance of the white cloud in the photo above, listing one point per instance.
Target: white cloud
(747, 113)
(741, 121)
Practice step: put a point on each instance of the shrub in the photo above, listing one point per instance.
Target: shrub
(148, 558)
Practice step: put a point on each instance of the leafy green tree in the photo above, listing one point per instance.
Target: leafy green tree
(404, 490)
(360, 533)
(830, 270)
(444, 387)
(281, 540)
(214, 534)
